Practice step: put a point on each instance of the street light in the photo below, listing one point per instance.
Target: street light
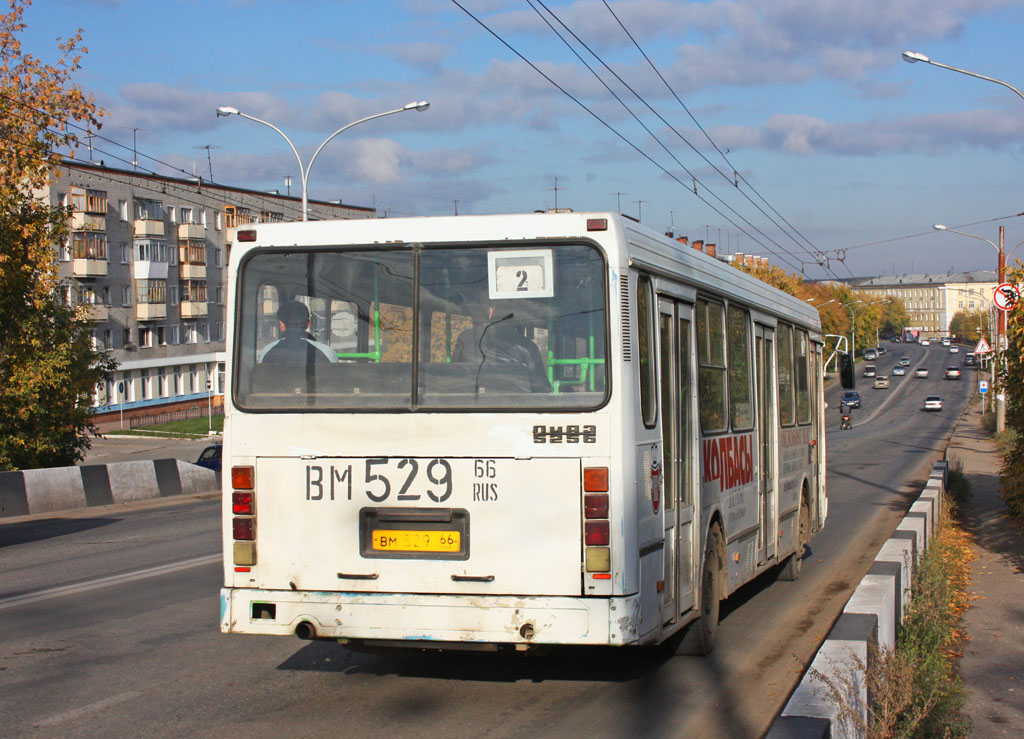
(1001, 323)
(853, 328)
(914, 56)
(227, 110)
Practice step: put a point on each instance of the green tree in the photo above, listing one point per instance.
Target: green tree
(969, 325)
(48, 368)
(1011, 476)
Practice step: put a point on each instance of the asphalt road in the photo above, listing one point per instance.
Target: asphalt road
(109, 622)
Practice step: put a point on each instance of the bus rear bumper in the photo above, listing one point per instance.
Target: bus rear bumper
(431, 618)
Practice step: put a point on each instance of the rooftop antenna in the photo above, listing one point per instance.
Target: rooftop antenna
(456, 206)
(209, 159)
(640, 210)
(555, 188)
(618, 201)
(135, 146)
(89, 135)
(287, 184)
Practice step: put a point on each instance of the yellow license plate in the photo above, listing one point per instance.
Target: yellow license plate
(390, 540)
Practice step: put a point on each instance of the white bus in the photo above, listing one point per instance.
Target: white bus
(509, 431)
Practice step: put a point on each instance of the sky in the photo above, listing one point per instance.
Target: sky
(791, 129)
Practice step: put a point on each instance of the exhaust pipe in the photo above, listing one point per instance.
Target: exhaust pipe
(305, 631)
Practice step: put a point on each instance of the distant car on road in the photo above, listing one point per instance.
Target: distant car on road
(851, 398)
(871, 354)
(881, 382)
(945, 341)
(924, 342)
(869, 370)
(899, 371)
(954, 349)
(921, 372)
(904, 361)
(952, 373)
(210, 457)
(933, 403)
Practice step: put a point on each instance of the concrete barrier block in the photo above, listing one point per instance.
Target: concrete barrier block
(899, 552)
(54, 489)
(133, 481)
(914, 525)
(195, 479)
(877, 595)
(927, 507)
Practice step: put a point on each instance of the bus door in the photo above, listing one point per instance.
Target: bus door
(678, 457)
(766, 430)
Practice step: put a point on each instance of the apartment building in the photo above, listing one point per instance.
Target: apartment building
(147, 256)
(933, 300)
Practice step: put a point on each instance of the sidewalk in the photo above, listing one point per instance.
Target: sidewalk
(993, 661)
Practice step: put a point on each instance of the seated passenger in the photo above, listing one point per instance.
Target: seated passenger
(296, 345)
(502, 341)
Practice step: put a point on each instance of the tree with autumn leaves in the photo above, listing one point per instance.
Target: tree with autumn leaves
(48, 367)
(886, 318)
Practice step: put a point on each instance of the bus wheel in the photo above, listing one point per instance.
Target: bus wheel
(699, 637)
(795, 562)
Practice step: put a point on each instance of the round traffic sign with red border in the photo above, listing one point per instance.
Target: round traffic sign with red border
(1006, 296)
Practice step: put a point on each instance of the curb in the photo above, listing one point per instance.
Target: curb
(869, 618)
(27, 492)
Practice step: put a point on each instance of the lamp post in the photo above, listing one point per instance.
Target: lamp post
(1001, 318)
(853, 328)
(914, 56)
(227, 110)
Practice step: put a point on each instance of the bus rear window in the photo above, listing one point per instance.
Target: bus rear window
(440, 328)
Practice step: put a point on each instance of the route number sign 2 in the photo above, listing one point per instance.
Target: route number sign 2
(524, 273)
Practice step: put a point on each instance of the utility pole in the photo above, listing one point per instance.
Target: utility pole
(287, 183)
(997, 350)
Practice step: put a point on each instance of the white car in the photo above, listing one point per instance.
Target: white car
(924, 342)
(921, 372)
(899, 371)
(952, 373)
(933, 403)
(954, 350)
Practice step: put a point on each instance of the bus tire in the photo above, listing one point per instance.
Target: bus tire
(794, 563)
(698, 638)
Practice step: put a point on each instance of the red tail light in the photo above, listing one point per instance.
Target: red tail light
(241, 503)
(596, 533)
(595, 505)
(243, 529)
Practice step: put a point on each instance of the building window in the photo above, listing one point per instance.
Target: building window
(175, 334)
(219, 295)
(191, 333)
(179, 382)
(172, 294)
(216, 257)
(147, 388)
(202, 217)
(148, 210)
(193, 291)
(218, 221)
(171, 214)
(220, 331)
(162, 382)
(186, 215)
(108, 339)
(193, 379)
(126, 336)
(89, 245)
(146, 337)
(129, 386)
(126, 253)
(161, 336)
(192, 251)
(126, 296)
(122, 209)
(204, 331)
(151, 291)
(65, 251)
(150, 250)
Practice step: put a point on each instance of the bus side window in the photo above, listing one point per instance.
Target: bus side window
(645, 339)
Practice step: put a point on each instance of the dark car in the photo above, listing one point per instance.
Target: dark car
(851, 398)
(210, 457)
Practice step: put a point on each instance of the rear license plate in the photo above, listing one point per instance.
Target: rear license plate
(395, 540)
(414, 533)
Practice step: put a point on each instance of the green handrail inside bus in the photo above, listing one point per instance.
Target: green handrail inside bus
(375, 355)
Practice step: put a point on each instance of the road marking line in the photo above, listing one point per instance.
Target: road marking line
(102, 582)
(98, 705)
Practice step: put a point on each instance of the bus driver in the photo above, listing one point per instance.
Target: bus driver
(296, 345)
(499, 340)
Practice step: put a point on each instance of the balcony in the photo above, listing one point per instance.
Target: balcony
(88, 222)
(192, 271)
(146, 227)
(194, 309)
(89, 267)
(151, 311)
(191, 231)
(96, 313)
